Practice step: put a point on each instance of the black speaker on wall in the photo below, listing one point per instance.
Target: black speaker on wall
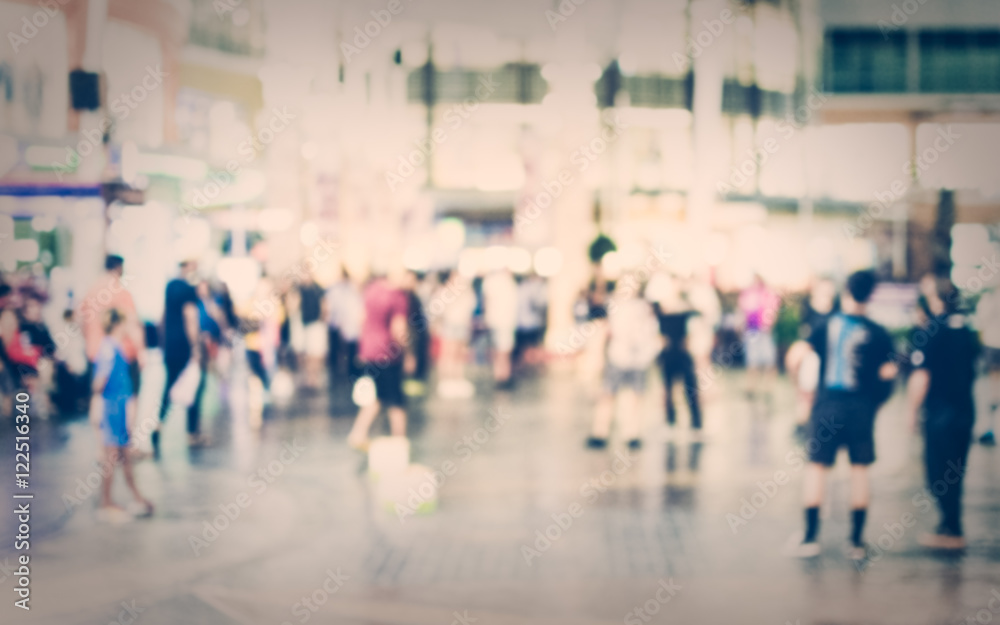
(84, 90)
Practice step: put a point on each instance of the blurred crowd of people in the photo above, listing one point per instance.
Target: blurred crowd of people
(384, 337)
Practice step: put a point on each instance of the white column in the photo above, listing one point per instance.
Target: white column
(89, 234)
(707, 121)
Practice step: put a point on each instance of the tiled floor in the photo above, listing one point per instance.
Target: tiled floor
(662, 516)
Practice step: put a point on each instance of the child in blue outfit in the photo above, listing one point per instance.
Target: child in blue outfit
(113, 388)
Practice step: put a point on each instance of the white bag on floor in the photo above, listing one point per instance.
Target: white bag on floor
(184, 389)
(413, 492)
(388, 456)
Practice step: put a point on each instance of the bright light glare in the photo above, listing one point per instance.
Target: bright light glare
(240, 274)
(310, 150)
(308, 233)
(611, 264)
(416, 258)
(173, 166)
(717, 250)
(195, 237)
(519, 260)
(25, 250)
(275, 219)
(969, 243)
(42, 156)
(548, 262)
(470, 262)
(451, 234)
(495, 258)
(43, 223)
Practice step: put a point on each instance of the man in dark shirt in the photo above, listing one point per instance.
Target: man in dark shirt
(180, 346)
(855, 378)
(944, 373)
(676, 362)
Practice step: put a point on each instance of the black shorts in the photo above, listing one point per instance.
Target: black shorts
(135, 374)
(388, 382)
(529, 337)
(842, 420)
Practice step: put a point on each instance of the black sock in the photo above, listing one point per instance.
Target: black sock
(858, 525)
(812, 524)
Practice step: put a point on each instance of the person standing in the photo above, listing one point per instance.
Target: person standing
(19, 357)
(210, 324)
(71, 367)
(382, 350)
(532, 308)
(181, 326)
(111, 293)
(38, 336)
(759, 305)
(113, 383)
(676, 363)
(311, 307)
(704, 327)
(817, 308)
(988, 324)
(454, 327)
(35, 328)
(856, 369)
(419, 335)
(941, 386)
(345, 309)
(633, 344)
(500, 315)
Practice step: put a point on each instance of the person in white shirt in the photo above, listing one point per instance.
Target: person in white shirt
(345, 310)
(532, 303)
(634, 342)
(450, 309)
(988, 324)
(500, 315)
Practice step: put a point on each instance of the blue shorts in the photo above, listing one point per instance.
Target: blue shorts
(115, 422)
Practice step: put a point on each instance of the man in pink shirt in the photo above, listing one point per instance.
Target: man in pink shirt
(382, 349)
(110, 292)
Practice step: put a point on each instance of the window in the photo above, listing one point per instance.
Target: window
(655, 91)
(865, 61)
(236, 27)
(960, 61)
(516, 82)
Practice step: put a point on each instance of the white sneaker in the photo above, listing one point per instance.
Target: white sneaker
(857, 552)
(807, 550)
(796, 547)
